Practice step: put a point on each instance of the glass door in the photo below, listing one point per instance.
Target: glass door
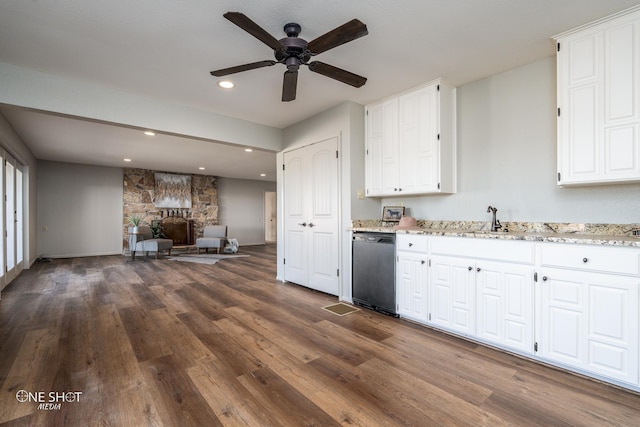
(12, 261)
(3, 279)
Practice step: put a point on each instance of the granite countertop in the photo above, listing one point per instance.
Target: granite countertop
(591, 234)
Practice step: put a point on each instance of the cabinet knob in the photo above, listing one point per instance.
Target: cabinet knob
(311, 224)
(469, 268)
(395, 189)
(410, 244)
(422, 262)
(544, 278)
(585, 259)
(304, 224)
(478, 269)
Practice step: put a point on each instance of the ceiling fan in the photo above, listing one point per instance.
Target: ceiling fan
(293, 52)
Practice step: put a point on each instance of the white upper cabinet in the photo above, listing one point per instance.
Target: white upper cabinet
(410, 143)
(598, 102)
(382, 147)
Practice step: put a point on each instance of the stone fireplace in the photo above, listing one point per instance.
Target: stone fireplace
(183, 225)
(178, 229)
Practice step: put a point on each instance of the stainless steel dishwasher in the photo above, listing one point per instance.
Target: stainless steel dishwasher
(374, 273)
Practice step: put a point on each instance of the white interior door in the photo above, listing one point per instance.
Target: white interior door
(270, 216)
(311, 218)
(295, 221)
(323, 217)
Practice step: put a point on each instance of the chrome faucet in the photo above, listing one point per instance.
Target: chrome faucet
(495, 224)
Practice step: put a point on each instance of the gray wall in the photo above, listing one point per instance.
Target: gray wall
(241, 208)
(507, 158)
(81, 208)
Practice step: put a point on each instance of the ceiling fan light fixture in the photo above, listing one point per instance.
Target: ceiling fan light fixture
(226, 84)
(292, 52)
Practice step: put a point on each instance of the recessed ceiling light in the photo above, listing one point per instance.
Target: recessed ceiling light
(149, 133)
(263, 174)
(226, 84)
(201, 168)
(248, 150)
(127, 160)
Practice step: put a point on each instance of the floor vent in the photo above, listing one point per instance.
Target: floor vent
(341, 309)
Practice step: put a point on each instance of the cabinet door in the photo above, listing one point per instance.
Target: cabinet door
(411, 285)
(452, 294)
(505, 305)
(418, 129)
(598, 99)
(589, 321)
(382, 148)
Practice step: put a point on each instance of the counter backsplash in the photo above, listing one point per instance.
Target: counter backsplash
(535, 227)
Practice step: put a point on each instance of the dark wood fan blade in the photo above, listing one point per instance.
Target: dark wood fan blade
(337, 73)
(244, 22)
(289, 85)
(345, 33)
(239, 68)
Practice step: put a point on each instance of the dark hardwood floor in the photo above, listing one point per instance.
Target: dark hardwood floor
(159, 342)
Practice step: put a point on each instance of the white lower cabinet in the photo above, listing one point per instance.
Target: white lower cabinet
(452, 295)
(411, 285)
(504, 295)
(587, 316)
(590, 322)
(571, 305)
(489, 301)
(483, 289)
(411, 277)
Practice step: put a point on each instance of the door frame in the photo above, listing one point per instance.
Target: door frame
(270, 198)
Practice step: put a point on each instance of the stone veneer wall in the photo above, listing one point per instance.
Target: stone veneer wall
(139, 188)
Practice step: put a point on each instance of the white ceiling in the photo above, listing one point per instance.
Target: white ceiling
(166, 48)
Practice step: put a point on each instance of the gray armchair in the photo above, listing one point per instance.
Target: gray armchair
(143, 241)
(214, 236)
